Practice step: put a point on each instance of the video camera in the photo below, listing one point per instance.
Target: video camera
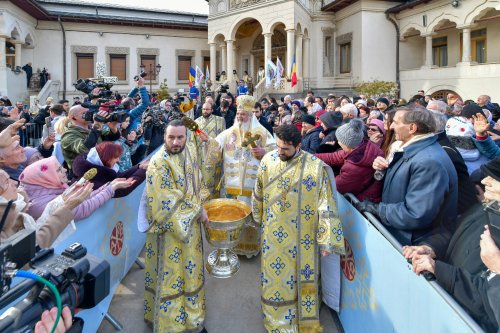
(81, 279)
(224, 88)
(103, 96)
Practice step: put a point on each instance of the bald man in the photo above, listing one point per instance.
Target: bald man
(82, 135)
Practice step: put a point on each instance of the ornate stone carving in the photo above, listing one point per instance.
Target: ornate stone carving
(148, 51)
(83, 49)
(242, 3)
(117, 50)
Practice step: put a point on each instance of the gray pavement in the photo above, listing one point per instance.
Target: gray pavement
(232, 304)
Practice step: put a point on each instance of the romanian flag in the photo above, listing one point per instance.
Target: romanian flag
(294, 73)
(192, 76)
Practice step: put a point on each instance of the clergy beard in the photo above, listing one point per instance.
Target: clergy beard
(174, 149)
(244, 127)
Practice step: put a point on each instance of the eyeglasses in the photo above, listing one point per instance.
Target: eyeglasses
(373, 129)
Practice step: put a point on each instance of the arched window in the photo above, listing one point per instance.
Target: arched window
(10, 54)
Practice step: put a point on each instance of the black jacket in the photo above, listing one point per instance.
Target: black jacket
(263, 121)
(311, 140)
(466, 191)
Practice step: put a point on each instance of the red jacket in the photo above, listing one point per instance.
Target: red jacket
(356, 172)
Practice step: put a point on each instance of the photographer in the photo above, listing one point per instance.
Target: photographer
(129, 105)
(79, 139)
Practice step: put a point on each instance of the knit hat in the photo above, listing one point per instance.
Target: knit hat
(310, 119)
(331, 119)
(351, 134)
(384, 100)
(379, 123)
(296, 103)
(471, 109)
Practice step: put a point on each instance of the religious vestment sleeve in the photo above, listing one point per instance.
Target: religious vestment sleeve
(257, 196)
(329, 235)
(171, 211)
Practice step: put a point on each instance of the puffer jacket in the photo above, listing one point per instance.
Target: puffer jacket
(356, 172)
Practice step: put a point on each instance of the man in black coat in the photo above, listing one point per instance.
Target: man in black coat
(257, 111)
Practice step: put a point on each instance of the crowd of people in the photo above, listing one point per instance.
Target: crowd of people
(422, 167)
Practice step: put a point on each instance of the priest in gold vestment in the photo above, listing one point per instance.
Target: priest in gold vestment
(212, 125)
(242, 146)
(174, 299)
(294, 203)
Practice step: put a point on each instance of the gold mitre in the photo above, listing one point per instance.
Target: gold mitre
(246, 103)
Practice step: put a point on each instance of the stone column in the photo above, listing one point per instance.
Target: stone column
(230, 63)
(267, 47)
(306, 60)
(224, 58)
(17, 45)
(3, 61)
(213, 61)
(298, 53)
(428, 51)
(290, 50)
(466, 49)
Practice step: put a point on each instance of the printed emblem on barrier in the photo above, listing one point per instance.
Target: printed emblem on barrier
(116, 239)
(347, 262)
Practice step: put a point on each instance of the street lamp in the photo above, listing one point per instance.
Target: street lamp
(152, 70)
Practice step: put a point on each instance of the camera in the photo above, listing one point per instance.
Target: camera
(493, 210)
(81, 279)
(88, 86)
(141, 74)
(224, 88)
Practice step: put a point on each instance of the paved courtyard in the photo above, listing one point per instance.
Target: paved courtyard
(232, 304)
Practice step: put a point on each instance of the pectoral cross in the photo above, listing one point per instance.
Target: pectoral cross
(250, 140)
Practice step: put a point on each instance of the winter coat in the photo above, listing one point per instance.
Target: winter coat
(466, 191)
(40, 196)
(356, 172)
(77, 140)
(325, 147)
(47, 233)
(129, 149)
(487, 147)
(136, 113)
(311, 140)
(263, 121)
(420, 193)
(105, 175)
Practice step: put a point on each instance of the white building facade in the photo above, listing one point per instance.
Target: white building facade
(68, 39)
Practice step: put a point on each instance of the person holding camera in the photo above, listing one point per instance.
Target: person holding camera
(79, 137)
(134, 110)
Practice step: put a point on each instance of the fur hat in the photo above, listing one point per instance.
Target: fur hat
(471, 109)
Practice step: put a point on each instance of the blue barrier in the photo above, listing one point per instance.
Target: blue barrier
(110, 233)
(380, 292)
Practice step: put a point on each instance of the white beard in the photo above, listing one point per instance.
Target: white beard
(244, 127)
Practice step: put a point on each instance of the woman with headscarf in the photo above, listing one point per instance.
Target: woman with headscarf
(104, 157)
(46, 179)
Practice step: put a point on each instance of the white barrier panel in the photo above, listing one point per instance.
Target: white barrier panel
(380, 293)
(110, 233)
